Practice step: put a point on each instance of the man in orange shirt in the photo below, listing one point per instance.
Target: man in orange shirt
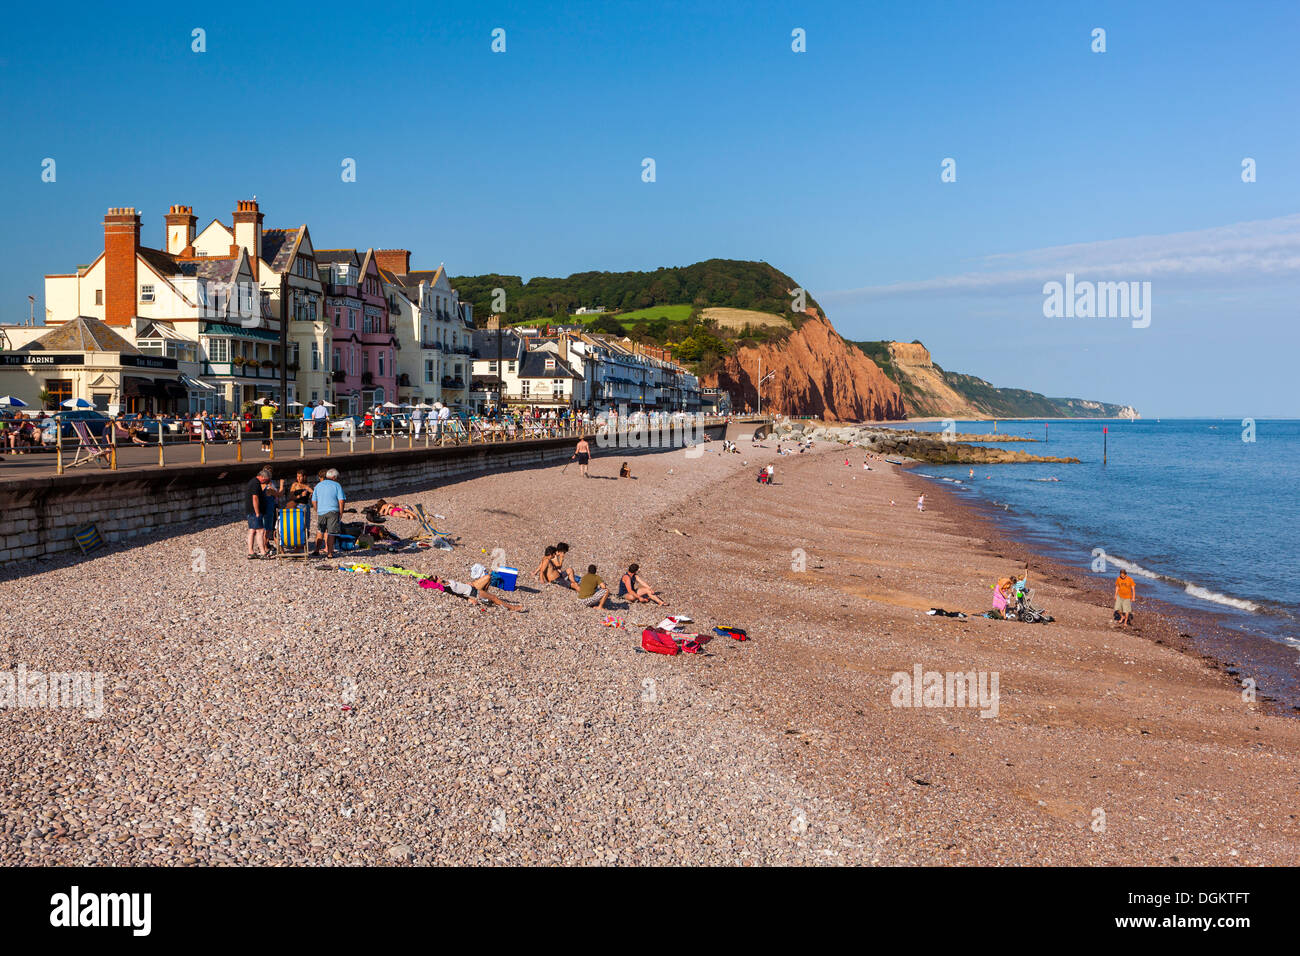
(1124, 594)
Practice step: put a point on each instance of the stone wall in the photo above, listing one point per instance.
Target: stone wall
(39, 516)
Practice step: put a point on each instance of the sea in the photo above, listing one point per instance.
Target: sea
(1204, 513)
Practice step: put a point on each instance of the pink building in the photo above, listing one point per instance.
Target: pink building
(364, 360)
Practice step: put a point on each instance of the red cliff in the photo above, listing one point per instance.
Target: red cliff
(817, 373)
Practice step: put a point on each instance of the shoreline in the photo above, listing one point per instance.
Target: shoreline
(1201, 633)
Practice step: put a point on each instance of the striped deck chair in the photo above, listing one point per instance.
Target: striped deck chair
(87, 443)
(295, 537)
(429, 533)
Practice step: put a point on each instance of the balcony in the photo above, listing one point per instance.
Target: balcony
(435, 346)
(453, 383)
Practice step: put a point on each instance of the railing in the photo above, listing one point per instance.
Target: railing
(135, 442)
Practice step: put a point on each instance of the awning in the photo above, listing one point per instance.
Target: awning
(170, 388)
(134, 387)
(195, 383)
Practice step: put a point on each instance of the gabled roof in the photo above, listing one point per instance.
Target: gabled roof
(534, 366)
(337, 255)
(219, 270)
(82, 334)
(278, 246)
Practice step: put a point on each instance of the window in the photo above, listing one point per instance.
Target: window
(381, 363)
(492, 367)
(428, 370)
(336, 360)
(218, 350)
(338, 317)
(315, 396)
(99, 297)
(511, 368)
(523, 388)
(352, 318)
(60, 390)
(315, 361)
(146, 293)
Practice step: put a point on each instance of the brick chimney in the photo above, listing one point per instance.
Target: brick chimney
(396, 261)
(180, 230)
(121, 244)
(248, 232)
(493, 322)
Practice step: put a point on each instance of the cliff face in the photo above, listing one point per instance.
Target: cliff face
(927, 392)
(817, 373)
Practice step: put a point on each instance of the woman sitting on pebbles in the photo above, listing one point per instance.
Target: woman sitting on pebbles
(637, 589)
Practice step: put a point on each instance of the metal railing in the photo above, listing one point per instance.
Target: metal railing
(181, 441)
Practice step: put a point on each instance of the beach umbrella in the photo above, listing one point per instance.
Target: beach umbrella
(77, 403)
(391, 405)
(10, 400)
(328, 404)
(299, 404)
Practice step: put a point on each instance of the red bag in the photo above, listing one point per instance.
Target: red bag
(658, 642)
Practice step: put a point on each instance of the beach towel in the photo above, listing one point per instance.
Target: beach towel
(736, 633)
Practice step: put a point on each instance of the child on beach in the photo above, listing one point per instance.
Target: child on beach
(920, 503)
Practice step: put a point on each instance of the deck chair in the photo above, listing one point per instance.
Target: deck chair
(86, 442)
(441, 539)
(295, 537)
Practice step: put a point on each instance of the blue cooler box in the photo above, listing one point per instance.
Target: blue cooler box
(505, 578)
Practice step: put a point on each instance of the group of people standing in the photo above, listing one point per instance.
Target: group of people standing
(265, 501)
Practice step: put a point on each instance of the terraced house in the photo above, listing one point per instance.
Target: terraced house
(434, 331)
(284, 264)
(363, 347)
(166, 302)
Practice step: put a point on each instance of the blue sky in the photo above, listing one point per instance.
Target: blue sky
(1123, 165)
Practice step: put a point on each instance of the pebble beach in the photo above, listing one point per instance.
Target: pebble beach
(280, 713)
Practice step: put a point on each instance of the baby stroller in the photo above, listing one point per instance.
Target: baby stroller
(1022, 609)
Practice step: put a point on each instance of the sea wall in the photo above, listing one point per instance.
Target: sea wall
(40, 516)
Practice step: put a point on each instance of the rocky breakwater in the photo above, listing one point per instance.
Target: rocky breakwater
(929, 447)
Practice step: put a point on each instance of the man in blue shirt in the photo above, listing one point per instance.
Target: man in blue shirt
(307, 423)
(328, 498)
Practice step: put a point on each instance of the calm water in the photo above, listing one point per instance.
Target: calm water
(1207, 519)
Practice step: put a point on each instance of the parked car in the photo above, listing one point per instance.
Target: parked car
(96, 421)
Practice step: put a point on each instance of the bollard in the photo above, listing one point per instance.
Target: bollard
(58, 451)
(161, 462)
(239, 439)
(112, 454)
(270, 437)
(203, 442)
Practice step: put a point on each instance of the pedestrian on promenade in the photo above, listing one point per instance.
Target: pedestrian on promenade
(308, 430)
(583, 454)
(444, 414)
(320, 421)
(417, 419)
(328, 497)
(1125, 592)
(258, 502)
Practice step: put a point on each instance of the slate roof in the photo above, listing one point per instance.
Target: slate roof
(534, 366)
(82, 334)
(277, 247)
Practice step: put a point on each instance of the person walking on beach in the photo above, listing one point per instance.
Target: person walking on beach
(920, 503)
(583, 454)
(1125, 591)
(259, 512)
(328, 497)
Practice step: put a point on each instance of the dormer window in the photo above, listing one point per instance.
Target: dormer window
(146, 293)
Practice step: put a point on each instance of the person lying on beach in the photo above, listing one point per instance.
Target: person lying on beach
(591, 589)
(638, 588)
(476, 591)
(394, 510)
